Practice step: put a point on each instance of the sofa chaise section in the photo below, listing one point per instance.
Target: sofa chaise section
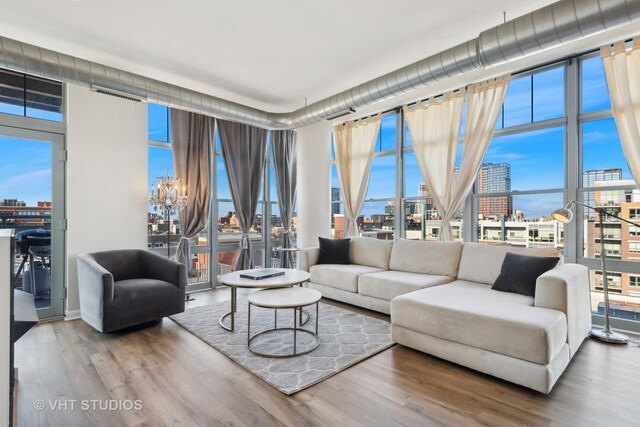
(522, 339)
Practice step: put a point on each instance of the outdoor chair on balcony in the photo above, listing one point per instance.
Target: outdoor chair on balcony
(128, 287)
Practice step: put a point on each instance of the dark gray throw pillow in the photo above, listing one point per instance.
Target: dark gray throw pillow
(333, 251)
(519, 273)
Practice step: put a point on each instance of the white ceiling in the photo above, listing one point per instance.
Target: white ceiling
(271, 54)
(266, 54)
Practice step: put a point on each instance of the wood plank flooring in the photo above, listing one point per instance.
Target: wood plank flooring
(180, 380)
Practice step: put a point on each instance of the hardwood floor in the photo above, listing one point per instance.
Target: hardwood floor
(180, 380)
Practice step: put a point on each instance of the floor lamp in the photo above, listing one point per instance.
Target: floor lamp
(565, 215)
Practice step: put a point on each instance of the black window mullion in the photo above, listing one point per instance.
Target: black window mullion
(24, 95)
(531, 89)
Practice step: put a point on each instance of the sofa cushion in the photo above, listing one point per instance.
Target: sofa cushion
(371, 252)
(520, 272)
(482, 263)
(415, 256)
(340, 276)
(333, 251)
(389, 284)
(475, 315)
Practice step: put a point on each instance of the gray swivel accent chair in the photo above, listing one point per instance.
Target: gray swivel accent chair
(128, 287)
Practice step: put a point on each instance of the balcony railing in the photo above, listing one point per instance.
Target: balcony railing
(609, 237)
(609, 253)
(25, 222)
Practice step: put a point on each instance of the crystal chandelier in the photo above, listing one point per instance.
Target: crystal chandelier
(171, 199)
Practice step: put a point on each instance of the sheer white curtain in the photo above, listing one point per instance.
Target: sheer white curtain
(354, 144)
(622, 68)
(435, 130)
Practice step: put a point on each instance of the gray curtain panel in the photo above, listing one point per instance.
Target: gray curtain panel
(283, 143)
(244, 150)
(192, 142)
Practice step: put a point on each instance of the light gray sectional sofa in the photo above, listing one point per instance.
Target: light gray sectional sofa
(440, 300)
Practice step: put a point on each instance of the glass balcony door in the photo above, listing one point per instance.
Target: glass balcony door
(32, 203)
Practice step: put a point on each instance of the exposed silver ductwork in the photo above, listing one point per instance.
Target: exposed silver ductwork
(548, 27)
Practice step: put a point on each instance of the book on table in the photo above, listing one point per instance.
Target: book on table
(264, 273)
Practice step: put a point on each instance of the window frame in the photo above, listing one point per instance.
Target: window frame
(572, 235)
(266, 245)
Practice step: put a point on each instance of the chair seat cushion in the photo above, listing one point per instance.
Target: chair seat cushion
(344, 277)
(473, 314)
(137, 301)
(389, 284)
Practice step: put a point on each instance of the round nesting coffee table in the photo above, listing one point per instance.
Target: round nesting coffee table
(290, 278)
(287, 298)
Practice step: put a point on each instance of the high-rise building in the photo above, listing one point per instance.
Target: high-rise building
(411, 208)
(621, 240)
(494, 178)
(590, 178)
(426, 202)
(390, 209)
(422, 190)
(335, 197)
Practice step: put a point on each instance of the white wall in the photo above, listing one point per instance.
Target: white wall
(314, 183)
(106, 177)
(5, 324)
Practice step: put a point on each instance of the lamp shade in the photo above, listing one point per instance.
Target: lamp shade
(564, 215)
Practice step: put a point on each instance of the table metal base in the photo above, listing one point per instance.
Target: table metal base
(295, 330)
(303, 318)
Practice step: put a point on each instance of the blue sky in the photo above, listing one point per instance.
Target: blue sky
(25, 170)
(536, 158)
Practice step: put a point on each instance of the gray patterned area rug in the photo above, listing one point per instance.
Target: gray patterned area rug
(346, 338)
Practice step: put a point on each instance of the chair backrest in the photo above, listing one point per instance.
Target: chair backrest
(123, 264)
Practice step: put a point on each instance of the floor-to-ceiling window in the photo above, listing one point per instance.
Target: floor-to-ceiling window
(214, 251)
(421, 220)
(378, 217)
(274, 239)
(522, 176)
(229, 233)
(555, 140)
(164, 233)
(606, 183)
(32, 159)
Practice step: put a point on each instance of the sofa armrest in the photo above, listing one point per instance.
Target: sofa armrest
(566, 288)
(160, 268)
(307, 258)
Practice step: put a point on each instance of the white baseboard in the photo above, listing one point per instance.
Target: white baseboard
(72, 315)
